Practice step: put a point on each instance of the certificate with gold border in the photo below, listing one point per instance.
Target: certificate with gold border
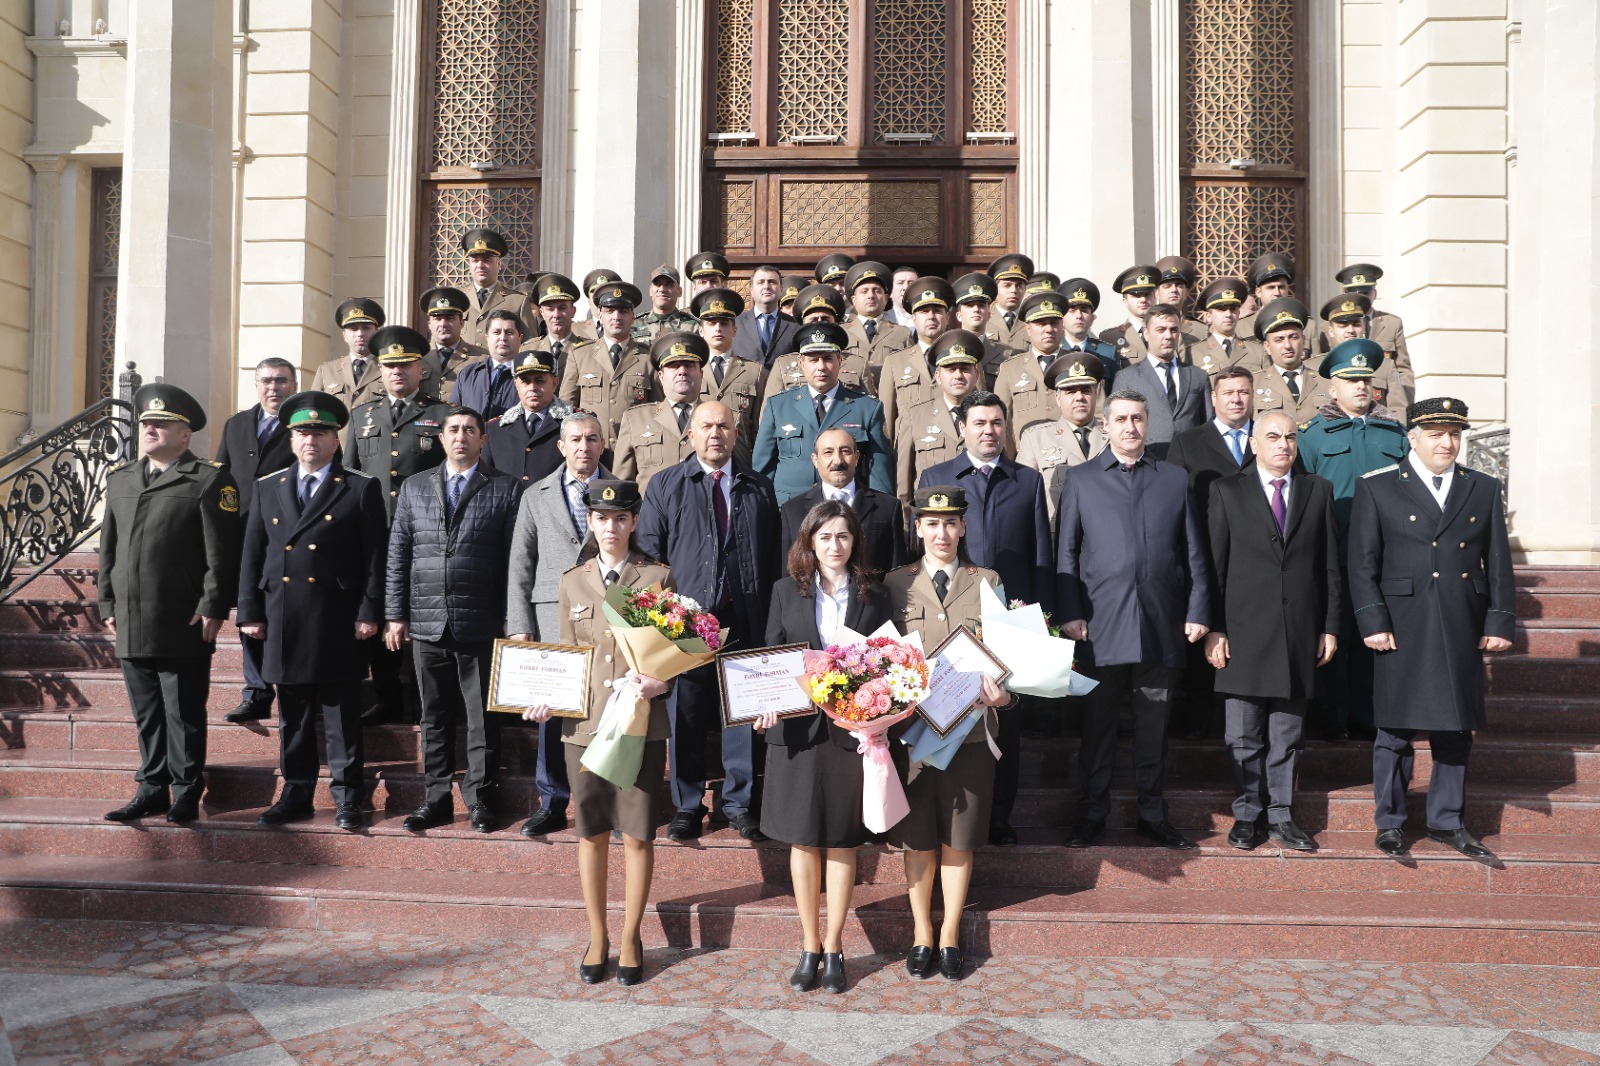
(527, 674)
(959, 666)
(765, 679)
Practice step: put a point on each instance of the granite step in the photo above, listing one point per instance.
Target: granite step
(1526, 675)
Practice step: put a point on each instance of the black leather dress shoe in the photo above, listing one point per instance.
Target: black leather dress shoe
(1001, 835)
(919, 963)
(1291, 836)
(349, 816)
(1244, 835)
(591, 973)
(544, 821)
(1462, 841)
(685, 825)
(249, 711)
(631, 975)
(1086, 832)
(804, 978)
(951, 962)
(748, 826)
(183, 810)
(1162, 833)
(833, 979)
(481, 818)
(1391, 842)
(283, 812)
(139, 807)
(429, 816)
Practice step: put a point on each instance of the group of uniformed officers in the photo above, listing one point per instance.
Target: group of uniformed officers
(1219, 501)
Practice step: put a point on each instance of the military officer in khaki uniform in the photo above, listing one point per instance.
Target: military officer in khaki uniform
(664, 316)
(927, 434)
(353, 378)
(706, 270)
(589, 328)
(446, 310)
(1053, 448)
(789, 291)
(820, 303)
(738, 382)
(866, 286)
(1137, 287)
(1383, 329)
(1290, 382)
(1010, 273)
(974, 313)
(613, 374)
(1021, 383)
(1220, 348)
(1175, 278)
(1082, 298)
(907, 375)
(656, 435)
(1271, 277)
(1346, 317)
(556, 298)
(831, 270)
(484, 249)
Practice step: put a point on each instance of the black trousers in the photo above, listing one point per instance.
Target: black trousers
(255, 689)
(1393, 757)
(696, 708)
(385, 668)
(1149, 685)
(1008, 769)
(169, 710)
(453, 680)
(299, 707)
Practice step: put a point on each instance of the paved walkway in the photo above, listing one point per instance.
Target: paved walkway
(116, 994)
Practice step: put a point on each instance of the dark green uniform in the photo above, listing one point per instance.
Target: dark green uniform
(647, 327)
(392, 449)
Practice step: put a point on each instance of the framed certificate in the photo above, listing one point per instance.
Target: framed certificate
(960, 665)
(766, 679)
(525, 674)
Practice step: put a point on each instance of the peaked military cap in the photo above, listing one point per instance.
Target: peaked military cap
(1011, 267)
(832, 267)
(819, 297)
(393, 345)
(534, 361)
(868, 270)
(1223, 292)
(976, 288)
(955, 347)
(1042, 281)
(665, 270)
(355, 311)
(160, 402)
(1047, 304)
(1358, 276)
(1270, 266)
(706, 264)
(1136, 279)
(554, 286)
(313, 410)
(1081, 292)
(791, 287)
(821, 337)
(939, 499)
(1354, 359)
(1175, 268)
(616, 294)
(1347, 306)
(596, 278)
(679, 347)
(717, 303)
(928, 292)
(445, 301)
(1075, 368)
(1284, 311)
(483, 241)
(604, 495)
(1437, 411)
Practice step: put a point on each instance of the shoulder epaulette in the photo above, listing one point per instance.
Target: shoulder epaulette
(1382, 470)
(213, 464)
(275, 473)
(357, 473)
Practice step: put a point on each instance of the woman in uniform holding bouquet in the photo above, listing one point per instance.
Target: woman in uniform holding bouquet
(949, 816)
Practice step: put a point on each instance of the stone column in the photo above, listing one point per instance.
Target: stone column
(400, 221)
(689, 135)
(173, 291)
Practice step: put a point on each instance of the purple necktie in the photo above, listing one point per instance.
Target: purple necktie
(719, 506)
(1280, 513)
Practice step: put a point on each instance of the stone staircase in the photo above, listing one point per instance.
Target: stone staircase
(69, 748)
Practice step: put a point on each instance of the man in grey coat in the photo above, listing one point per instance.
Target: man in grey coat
(1178, 394)
(552, 523)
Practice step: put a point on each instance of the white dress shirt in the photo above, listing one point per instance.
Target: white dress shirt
(317, 477)
(1226, 431)
(829, 397)
(847, 494)
(1161, 375)
(831, 609)
(727, 480)
(1441, 493)
(1266, 485)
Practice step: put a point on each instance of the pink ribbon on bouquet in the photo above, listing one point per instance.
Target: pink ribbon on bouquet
(883, 797)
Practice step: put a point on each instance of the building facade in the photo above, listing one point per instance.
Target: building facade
(193, 185)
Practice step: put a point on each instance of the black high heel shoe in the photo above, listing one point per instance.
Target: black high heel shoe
(592, 974)
(833, 972)
(804, 978)
(631, 975)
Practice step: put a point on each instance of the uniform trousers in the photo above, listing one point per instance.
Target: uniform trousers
(1350, 674)
(337, 705)
(1149, 687)
(255, 689)
(1008, 769)
(1392, 759)
(696, 709)
(453, 681)
(1265, 737)
(550, 768)
(169, 710)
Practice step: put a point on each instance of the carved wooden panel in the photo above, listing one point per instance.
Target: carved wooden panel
(487, 63)
(105, 255)
(813, 69)
(834, 213)
(988, 86)
(734, 209)
(908, 69)
(513, 209)
(986, 213)
(733, 58)
(1228, 224)
(1240, 78)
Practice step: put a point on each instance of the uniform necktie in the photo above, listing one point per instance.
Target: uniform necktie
(1280, 513)
(1227, 348)
(533, 423)
(497, 376)
(397, 408)
(555, 353)
(719, 506)
(1011, 319)
(483, 298)
(765, 319)
(1438, 482)
(611, 578)
(822, 408)
(358, 367)
(1083, 440)
(1292, 379)
(870, 325)
(308, 485)
(452, 498)
(681, 410)
(269, 426)
(1171, 371)
(616, 355)
(941, 584)
(1234, 445)
(719, 366)
(1045, 361)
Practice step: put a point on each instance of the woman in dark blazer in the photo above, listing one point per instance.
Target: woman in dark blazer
(814, 774)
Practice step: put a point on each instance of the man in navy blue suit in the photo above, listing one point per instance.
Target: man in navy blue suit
(1008, 531)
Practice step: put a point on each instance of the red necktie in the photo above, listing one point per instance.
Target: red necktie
(719, 505)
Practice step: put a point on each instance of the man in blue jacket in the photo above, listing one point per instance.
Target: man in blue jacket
(791, 420)
(716, 523)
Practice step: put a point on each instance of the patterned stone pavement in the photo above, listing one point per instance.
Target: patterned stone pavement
(121, 994)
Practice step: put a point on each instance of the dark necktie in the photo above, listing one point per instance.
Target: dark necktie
(941, 584)
(612, 577)
(1438, 482)
(616, 355)
(269, 426)
(483, 298)
(358, 368)
(555, 353)
(1292, 379)
(1280, 512)
(150, 473)
(1171, 373)
(719, 366)
(822, 408)
(452, 498)
(1011, 319)
(397, 408)
(681, 410)
(719, 506)
(870, 325)
(766, 332)
(1227, 348)
(533, 423)
(1083, 440)
(308, 485)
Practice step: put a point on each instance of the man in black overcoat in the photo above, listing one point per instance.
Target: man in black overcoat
(883, 525)
(1275, 552)
(1431, 580)
(311, 588)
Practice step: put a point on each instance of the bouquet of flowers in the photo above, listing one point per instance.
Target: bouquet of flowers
(661, 635)
(866, 685)
(1039, 658)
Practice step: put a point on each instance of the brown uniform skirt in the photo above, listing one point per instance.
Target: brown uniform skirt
(949, 806)
(812, 796)
(599, 806)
